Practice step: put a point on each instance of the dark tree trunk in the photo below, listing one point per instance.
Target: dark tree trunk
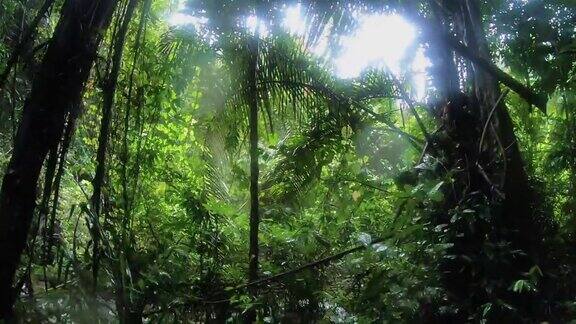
(48, 182)
(254, 173)
(57, 90)
(109, 92)
(520, 203)
(46, 194)
(493, 174)
(64, 146)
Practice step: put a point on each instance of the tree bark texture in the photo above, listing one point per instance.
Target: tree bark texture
(495, 170)
(56, 92)
(254, 173)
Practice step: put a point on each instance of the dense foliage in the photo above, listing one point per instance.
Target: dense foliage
(219, 170)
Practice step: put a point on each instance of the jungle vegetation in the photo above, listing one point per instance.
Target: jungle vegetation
(220, 170)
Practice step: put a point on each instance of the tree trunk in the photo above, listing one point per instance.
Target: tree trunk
(64, 146)
(109, 92)
(46, 194)
(520, 204)
(254, 173)
(444, 72)
(57, 90)
(494, 176)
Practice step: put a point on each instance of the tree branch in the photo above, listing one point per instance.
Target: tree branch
(523, 91)
(311, 265)
(28, 35)
(526, 93)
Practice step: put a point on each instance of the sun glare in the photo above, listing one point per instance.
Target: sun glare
(293, 20)
(181, 19)
(253, 25)
(381, 41)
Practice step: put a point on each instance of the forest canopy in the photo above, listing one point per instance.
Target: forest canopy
(284, 161)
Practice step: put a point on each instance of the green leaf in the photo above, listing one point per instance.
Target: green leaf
(521, 286)
(435, 194)
(486, 308)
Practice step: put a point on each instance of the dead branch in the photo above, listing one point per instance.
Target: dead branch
(311, 265)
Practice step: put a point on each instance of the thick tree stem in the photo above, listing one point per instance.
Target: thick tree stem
(519, 205)
(57, 90)
(254, 173)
